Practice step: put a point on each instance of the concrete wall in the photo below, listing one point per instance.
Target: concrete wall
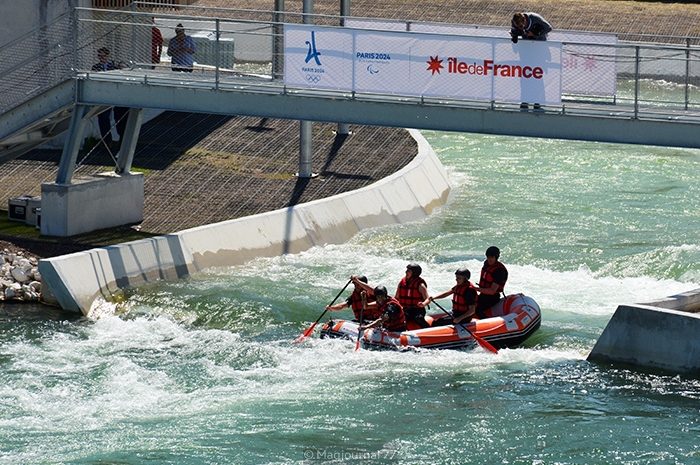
(658, 335)
(98, 202)
(75, 281)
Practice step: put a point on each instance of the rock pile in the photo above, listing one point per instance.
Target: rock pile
(19, 277)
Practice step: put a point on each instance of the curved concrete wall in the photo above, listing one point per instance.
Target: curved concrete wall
(74, 281)
(660, 335)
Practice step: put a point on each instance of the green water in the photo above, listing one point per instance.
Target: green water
(203, 371)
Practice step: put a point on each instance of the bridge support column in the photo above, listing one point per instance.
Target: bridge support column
(70, 207)
(344, 128)
(128, 142)
(66, 167)
(305, 127)
(306, 149)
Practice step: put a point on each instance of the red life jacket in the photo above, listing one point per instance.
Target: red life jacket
(459, 303)
(356, 305)
(396, 321)
(487, 272)
(409, 293)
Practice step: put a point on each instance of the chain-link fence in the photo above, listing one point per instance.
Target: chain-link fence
(34, 63)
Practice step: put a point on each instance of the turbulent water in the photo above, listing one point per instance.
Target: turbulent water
(203, 371)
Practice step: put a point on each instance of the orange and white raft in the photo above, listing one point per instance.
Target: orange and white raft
(508, 323)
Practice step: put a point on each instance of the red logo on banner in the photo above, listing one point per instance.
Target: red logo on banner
(434, 65)
(486, 68)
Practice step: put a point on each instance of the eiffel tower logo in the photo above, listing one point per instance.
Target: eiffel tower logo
(312, 53)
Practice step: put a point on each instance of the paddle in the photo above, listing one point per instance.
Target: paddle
(310, 329)
(362, 311)
(482, 342)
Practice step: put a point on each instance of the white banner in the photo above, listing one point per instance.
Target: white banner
(318, 57)
(586, 69)
(470, 68)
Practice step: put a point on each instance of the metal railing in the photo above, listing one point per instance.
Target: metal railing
(240, 48)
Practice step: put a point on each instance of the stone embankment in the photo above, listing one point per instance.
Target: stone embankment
(19, 277)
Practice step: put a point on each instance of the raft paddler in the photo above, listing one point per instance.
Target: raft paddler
(492, 281)
(463, 297)
(354, 301)
(411, 292)
(391, 317)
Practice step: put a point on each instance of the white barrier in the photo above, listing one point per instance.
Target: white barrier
(74, 281)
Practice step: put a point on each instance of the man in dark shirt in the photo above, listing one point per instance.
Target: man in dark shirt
(529, 26)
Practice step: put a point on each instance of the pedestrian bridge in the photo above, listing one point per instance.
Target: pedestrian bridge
(243, 68)
(656, 98)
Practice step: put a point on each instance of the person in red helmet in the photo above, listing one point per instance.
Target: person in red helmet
(492, 282)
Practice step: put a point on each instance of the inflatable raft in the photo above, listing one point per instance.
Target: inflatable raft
(508, 323)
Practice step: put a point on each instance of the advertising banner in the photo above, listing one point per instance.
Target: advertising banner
(586, 69)
(318, 58)
(431, 65)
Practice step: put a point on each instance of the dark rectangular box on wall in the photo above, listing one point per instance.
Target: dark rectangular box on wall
(17, 208)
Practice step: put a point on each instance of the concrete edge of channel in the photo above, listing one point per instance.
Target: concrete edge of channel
(75, 281)
(656, 335)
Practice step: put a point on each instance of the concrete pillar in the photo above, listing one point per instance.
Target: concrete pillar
(305, 127)
(130, 137)
(344, 128)
(305, 149)
(78, 121)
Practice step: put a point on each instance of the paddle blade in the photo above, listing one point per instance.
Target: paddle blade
(359, 336)
(485, 344)
(305, 334)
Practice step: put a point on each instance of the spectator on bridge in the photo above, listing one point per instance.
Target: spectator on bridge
(119, 113)
(156, 43)
(529, 26)
(181, 49)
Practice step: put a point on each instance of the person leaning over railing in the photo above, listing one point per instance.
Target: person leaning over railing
(529, 26)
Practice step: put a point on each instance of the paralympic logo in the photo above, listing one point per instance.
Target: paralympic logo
(312, 53)
(371, 69)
